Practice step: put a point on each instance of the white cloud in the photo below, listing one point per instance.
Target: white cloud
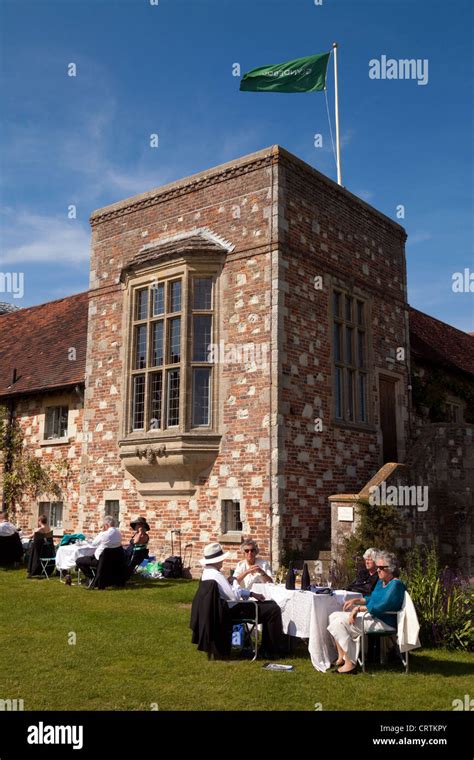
(418, 237)
(27, 237)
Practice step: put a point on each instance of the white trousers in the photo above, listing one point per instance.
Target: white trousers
(348, 635)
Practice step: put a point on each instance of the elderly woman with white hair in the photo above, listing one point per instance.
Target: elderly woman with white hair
(252, 569)
(366, 579)
(346, 627)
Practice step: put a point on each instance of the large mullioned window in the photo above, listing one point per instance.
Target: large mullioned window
(350, 358)
(171, 339)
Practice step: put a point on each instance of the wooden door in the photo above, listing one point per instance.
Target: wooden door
(388, 419)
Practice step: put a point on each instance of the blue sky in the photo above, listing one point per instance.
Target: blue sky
(167, 69)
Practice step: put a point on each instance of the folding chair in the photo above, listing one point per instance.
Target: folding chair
(250, 624)
(45, 563)
(365, 635)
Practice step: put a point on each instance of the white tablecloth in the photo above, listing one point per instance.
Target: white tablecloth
(306, 615)
(66, 555)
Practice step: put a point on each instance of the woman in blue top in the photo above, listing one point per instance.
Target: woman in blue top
(346, 628)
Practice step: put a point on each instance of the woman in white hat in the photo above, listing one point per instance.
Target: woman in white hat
(269, 613)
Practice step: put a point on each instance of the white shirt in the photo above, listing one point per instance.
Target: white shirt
(252, 578)
(6, 528)
(226, 591)
(108, 539)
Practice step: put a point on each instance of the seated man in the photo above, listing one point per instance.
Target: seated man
(109, 538)
(252, 569)
(11, 548)
(346, 627)
(367, 578)
(6, 527)
(269, 613)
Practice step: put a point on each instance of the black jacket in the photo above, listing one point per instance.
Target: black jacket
(42, 547)
(11, 549)
(112, 569)
(364, 583)
(211, 622)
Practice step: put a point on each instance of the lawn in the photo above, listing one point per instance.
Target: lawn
(133, 651)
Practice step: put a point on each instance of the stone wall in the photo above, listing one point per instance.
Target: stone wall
(234, 203)
(325, 231)
(61, 459)
(441, 460)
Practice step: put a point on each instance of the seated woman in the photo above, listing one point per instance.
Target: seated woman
(366, 579)
(43, 546)
(345, 627)
(137, 550)
(251, 569)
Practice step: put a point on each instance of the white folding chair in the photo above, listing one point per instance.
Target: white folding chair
(404, 655)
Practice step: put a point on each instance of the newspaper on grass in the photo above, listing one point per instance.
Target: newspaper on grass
(277, 666)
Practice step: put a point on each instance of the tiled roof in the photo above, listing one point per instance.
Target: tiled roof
(36, 342)
(439, 343)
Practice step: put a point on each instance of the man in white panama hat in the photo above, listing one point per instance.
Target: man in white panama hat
(269, 613)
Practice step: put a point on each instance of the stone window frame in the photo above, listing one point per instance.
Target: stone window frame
(453, 402)
(62, 401)
(109, 512)
(357, 296)
(225, 505)
(42, 511)
(231, 494)
(185, 268)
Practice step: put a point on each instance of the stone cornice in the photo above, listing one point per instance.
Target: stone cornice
(187, 185)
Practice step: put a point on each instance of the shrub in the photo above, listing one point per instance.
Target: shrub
(443, 601)
(378, 527)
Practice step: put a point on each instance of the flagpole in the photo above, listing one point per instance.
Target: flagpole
(336, 109)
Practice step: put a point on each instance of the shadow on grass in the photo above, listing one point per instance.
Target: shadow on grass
(428, 663)
(139, 582)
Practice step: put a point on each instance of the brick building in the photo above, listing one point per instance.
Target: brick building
(247, 356)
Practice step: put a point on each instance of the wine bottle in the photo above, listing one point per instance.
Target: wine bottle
(290, 578)
(305, 580)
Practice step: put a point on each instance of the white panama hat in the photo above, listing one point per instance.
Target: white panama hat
(213, 553)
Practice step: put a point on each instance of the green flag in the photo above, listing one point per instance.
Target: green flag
(301, 75)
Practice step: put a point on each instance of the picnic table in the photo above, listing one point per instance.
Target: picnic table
(306, 615)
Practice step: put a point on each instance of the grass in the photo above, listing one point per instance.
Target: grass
(133, 650)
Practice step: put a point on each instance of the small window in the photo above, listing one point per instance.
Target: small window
(158, 293)
(453, 412)
(350, 358)
(201, 396)
(112, 509)
(175, 296)
(202, 294)
(232, 522)
(53, 511)
(56, 422)
(141, 307)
